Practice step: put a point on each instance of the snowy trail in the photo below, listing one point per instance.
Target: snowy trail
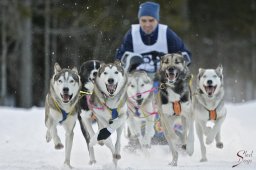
(23, 145)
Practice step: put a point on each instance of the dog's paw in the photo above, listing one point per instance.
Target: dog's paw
(146, 146)
(59, 146)
(91, 162)
(219, 145)
(48, 137)
(66, 165)
(190, 150)
(116, 156)
(173, 163)
(203, 160)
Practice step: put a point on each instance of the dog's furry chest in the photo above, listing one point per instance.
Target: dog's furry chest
(202, 108)
(169, 96)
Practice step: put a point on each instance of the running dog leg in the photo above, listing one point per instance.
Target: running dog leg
(174, 153)
(199, 131)
(118, 143)
(86, 123)
(52, 133)
(213, 132)
(69, 127)
(219, 144)
(190, 141)
(149, 131)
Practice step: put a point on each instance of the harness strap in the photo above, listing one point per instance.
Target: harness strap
(85, 93)
(63, 112)
(114, 113)
(64, 115)
(212, 114)
(147, 91)
(176, 108)
(91, 106)
(137, 113)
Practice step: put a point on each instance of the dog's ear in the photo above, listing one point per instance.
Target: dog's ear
(101, 69)
(147, 78)
(200, 73)
(75, 70)
(57, 68)
(219, 69)
(118, 63)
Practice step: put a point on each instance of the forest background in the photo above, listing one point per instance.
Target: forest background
(37, 33)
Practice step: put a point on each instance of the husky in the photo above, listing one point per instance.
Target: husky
(208, 107)
(141, 108)
(174, 104)
(61, 107)
(109, 105)
(88, 72)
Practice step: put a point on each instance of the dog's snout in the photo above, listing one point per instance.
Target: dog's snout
(65, 90)
(110, 81)
(209, 82)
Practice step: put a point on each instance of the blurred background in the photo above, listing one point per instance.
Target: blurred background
(37, 33)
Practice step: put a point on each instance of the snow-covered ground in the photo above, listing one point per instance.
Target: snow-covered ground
(23, 145)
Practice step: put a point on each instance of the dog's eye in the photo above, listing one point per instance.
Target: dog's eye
(177, 62)
(204, 76)
(142, 85)
(132, 86)
(71, 81)
(116, 72)
(105, 73)
(60, 81)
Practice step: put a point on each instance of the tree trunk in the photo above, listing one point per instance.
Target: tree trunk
(26, 58)
(3, 89)
(47, 47)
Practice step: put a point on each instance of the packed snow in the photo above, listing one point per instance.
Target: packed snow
(23, 145)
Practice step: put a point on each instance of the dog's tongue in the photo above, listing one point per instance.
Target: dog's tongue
(209, 89)
(111, 88)
(66, 97)
(171, 76)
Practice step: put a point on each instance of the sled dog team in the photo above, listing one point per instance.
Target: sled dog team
(106, 94)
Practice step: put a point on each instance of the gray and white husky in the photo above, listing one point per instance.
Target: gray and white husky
(109, 106)
(174, 104)
(208, 107)
(141, 107)
(61, 107)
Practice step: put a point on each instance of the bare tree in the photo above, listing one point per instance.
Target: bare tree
(3, 89)
(47, 47)
(26, 58)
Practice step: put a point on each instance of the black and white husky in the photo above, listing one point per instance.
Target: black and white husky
(208, 107)
(88, 72)
(174, 104)
(141, 107)
(109, 106)
(61, 107)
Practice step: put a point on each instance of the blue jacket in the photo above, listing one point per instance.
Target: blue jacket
(175, 44)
